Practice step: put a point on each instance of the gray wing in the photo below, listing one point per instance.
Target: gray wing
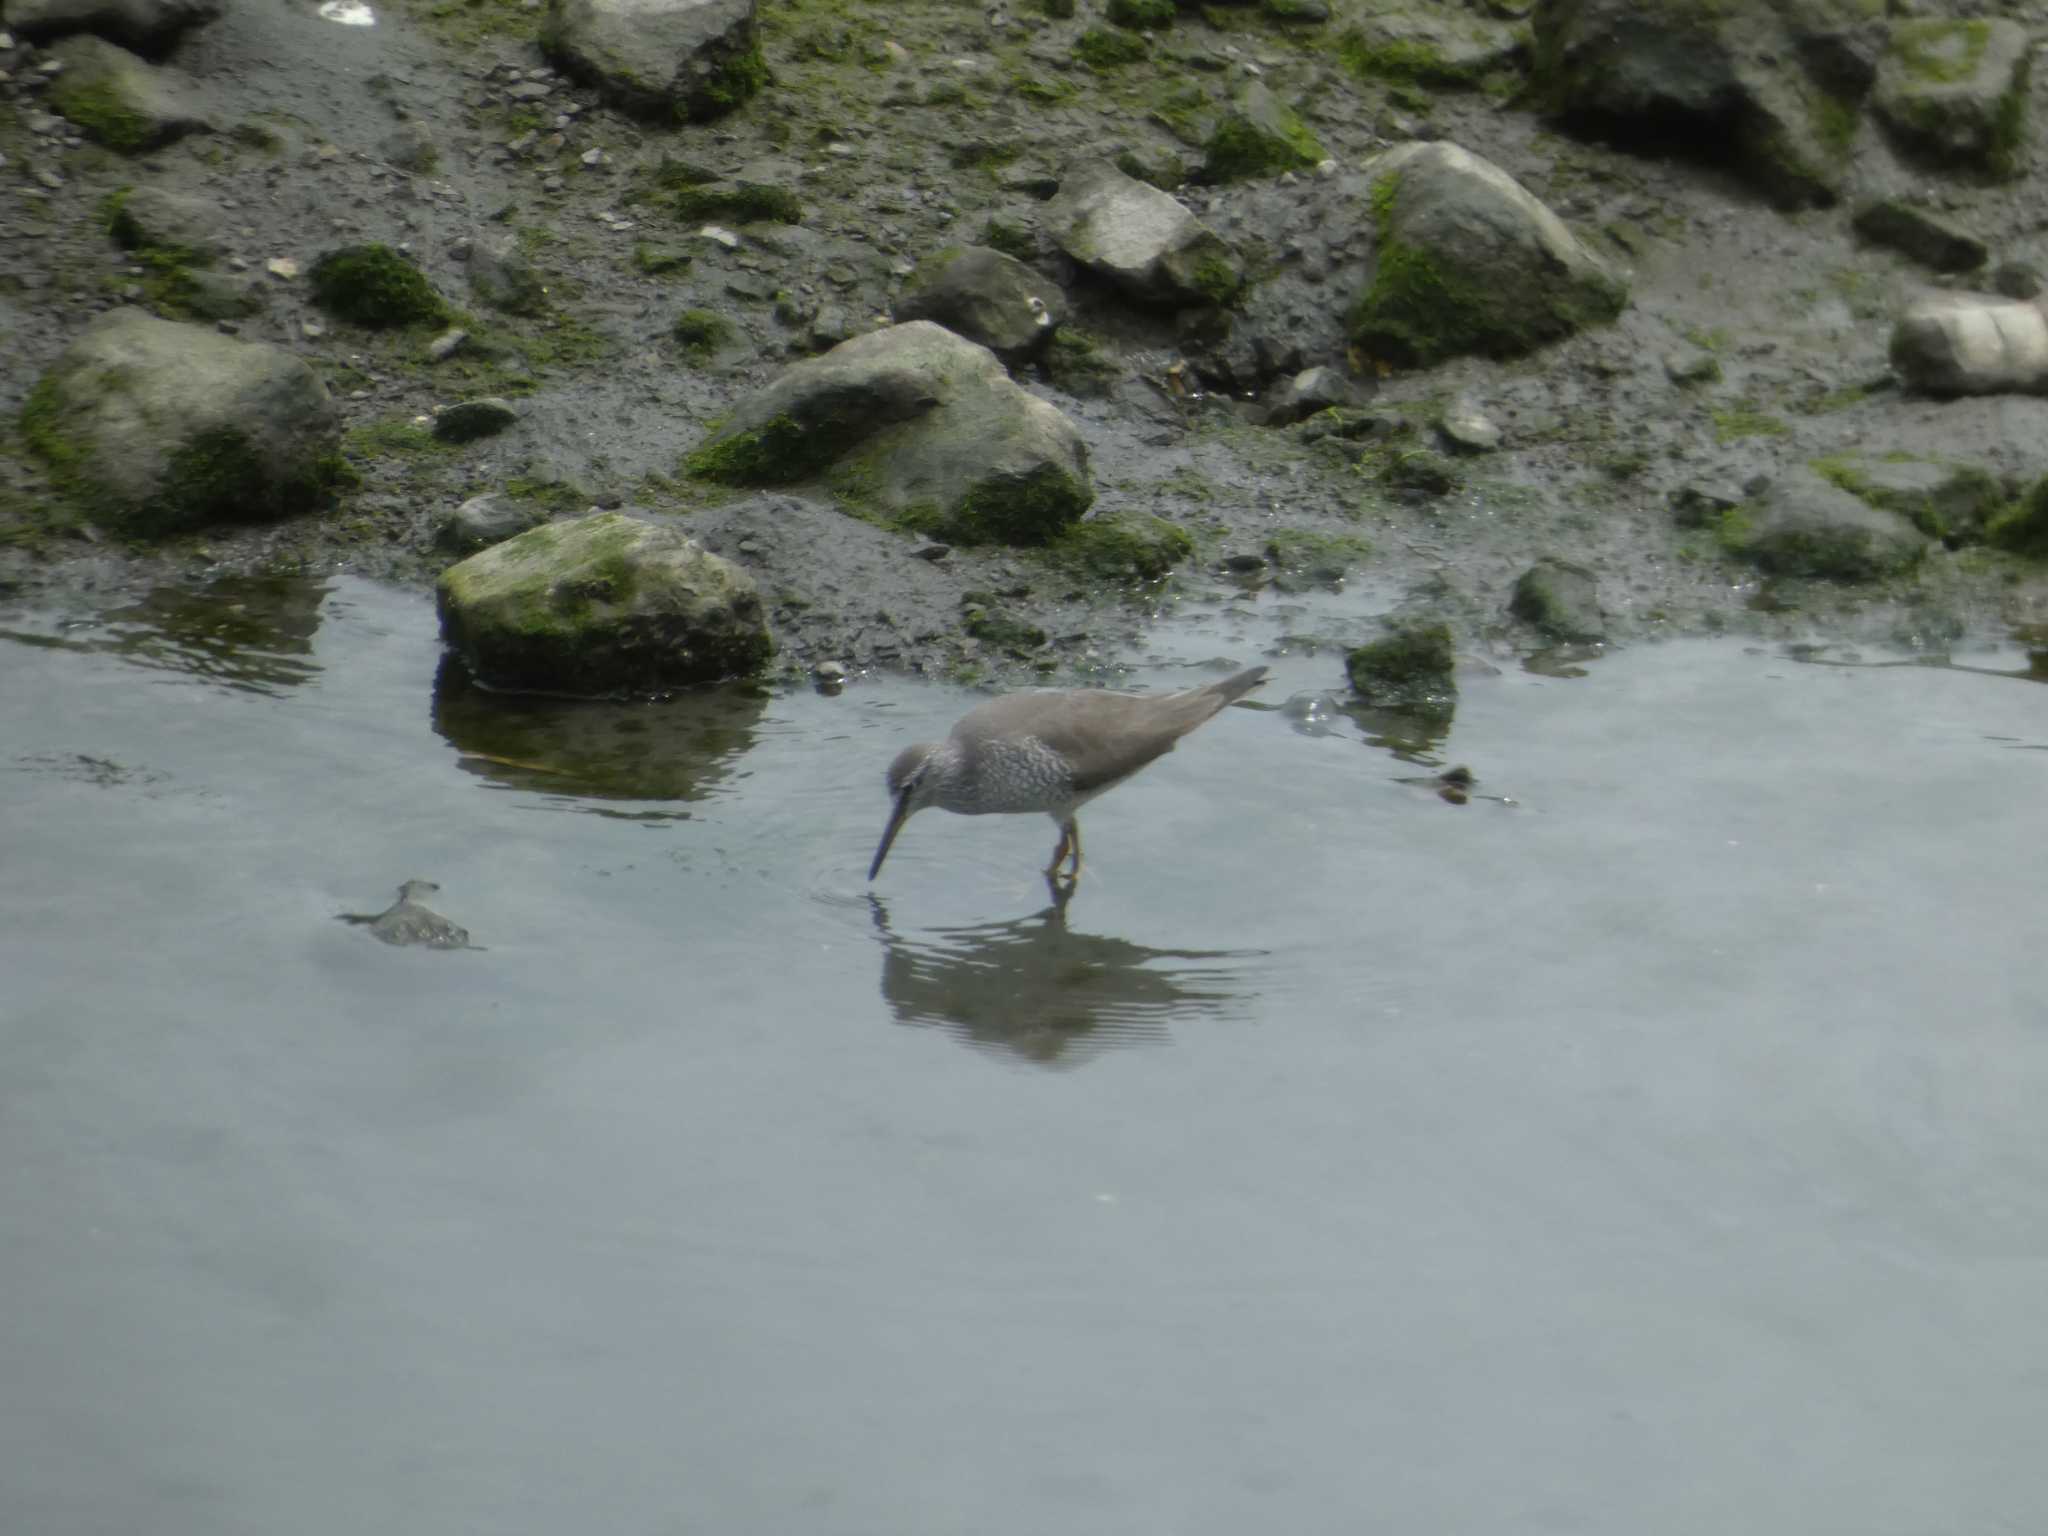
(1104, 737)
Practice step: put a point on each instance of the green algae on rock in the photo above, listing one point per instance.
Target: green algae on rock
(606, 604)
(1411, 669)
(372, 285)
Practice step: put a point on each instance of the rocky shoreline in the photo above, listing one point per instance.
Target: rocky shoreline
(971, 342)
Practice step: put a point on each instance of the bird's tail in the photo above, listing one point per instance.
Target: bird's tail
(1231, 689)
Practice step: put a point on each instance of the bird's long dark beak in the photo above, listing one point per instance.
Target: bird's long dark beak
(896, 819)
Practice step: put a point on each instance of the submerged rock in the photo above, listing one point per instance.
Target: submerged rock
(1955, 91)
(162, 427)
(1142, 239)
(987, 297)
(1773, 83)
(120, 101)
(1411, 670)
(408, 921)
(1971, 344)
(601, 605)
(663, 59)
(1467, 261)
(1803, 525)
(916, 424)
(147, 27)
(1560, 599)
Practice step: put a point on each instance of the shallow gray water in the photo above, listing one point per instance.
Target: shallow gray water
(1662, 1151)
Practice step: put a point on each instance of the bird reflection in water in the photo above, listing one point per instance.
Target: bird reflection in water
(1036, 989)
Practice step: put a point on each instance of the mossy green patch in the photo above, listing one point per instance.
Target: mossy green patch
(1076, 364)
(2023, 526)
(728, 85)
(1242, 149)
(1033, 508)
(701, 333)
(374, 286)
(1940, 51)
(1732, 423)
(1315, 555)
(1410, 60)
(1148, 14)
(782, 451)
(1412, 670)
(739, 203)
(1104, 50)
(103, 113)
(1123, 547)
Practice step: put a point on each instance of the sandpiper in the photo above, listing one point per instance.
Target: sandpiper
(1050, 751)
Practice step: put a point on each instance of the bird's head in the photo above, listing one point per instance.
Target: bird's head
(911, 787)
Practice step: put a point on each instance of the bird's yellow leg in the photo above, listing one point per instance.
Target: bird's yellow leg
(1066, 834)
(1071, 833)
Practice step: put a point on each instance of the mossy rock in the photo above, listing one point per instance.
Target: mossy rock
(1806, 526)
(1954, 92)
(1146, 14)
(1123, 547)
(2023, 527)
(1560, 600)
(1259, 136)
(1309, 555)
(739, 202)
(374, 286)
(602, 605)
(701, 333)
(1104, 50)
(1944, 499)
(1413, 669)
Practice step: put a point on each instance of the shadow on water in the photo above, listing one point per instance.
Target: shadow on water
(1033, 987)
(251, 633)
(681, 748)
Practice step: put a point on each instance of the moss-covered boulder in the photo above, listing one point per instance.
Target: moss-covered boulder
(373, 285)
(606, 604)
(1944, 499)
(1954, 92)
(117, 99)
(1466, 261)
(916, 426)
(1449, 47)
(1803, 525)
(1773, 85)
(667, 60)
(1259, 136)
(158, 427)
(987, 297)
(1560, 600)
(1141, 239)
(1949, 343)
(1411, 669)
(147, 27)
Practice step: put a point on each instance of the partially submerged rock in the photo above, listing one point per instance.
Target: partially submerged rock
(673, 60)
(1955, 91)
(1410, 670)
(148, 27)
(1971, 344)
(1561, 600)
(987, 297)
(1805, 526)
(161, 427)
(1775, 84)
(600, 605)
(1466, 261)
(918, 425)
(118, 100)
(1141, 239)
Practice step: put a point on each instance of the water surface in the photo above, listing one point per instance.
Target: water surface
(1654, 1147)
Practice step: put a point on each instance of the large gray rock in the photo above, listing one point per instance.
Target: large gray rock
(162, 427)
(1141, 239)
(484, 520)
(122, 102)
(1971, 344)
(1466, 261)
(987, 297)
(601, 605)
(1944, 499)
(143, 26)
(661, 59)
(1955, 92)
(1774, 83)
(915, 425)
(175, 223)
(1805, 526)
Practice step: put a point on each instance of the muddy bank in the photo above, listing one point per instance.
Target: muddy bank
(624, 286)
